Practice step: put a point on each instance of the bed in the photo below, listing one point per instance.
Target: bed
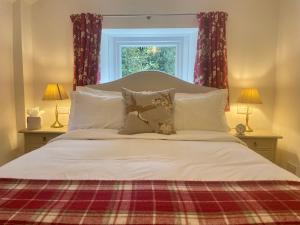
(98, 176)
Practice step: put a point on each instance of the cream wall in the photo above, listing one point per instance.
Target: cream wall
(27, 52)
(252, 26)
(8, 129)
(287, 104)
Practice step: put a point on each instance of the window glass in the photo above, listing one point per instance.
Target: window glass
(143, 58)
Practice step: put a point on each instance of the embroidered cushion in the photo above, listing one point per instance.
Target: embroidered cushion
(148, 112)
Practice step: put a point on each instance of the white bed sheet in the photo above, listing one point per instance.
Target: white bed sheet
(106, 155)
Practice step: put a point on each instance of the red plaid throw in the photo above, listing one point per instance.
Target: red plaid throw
(148, 202)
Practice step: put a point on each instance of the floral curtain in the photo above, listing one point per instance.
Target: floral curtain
(211, 59)
(86, 41)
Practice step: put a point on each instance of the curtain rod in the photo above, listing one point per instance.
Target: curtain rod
(149, 15)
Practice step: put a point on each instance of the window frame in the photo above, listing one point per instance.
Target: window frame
(185, 40)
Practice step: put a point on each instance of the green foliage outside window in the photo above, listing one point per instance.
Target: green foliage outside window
(135, 59)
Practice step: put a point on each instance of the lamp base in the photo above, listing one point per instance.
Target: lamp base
(57, 124)
(248, 129)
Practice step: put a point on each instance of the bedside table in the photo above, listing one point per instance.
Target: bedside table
(37, 138)
(262, 142)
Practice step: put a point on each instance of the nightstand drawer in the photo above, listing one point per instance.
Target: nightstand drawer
(267, 154)
(31, 147)
(266, 147)
(39, 139)
(260, 144)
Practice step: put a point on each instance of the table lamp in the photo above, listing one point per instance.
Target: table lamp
(55, 92)
(249, 96)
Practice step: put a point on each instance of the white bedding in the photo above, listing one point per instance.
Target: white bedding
(103, 154)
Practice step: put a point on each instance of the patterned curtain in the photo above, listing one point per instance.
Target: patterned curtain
(86, 41)
(211, 59)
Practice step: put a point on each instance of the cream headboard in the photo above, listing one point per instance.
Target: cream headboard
(151, 81)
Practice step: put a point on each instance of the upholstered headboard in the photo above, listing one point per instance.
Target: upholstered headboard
(151, 81)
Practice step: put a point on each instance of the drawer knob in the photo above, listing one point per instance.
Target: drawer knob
(44, 139)
(255, 144)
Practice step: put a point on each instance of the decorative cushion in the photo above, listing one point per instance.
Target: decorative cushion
(148, 112)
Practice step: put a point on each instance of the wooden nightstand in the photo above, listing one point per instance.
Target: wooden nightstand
(262, 142)
(37, 138)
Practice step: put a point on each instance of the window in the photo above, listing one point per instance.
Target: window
(126, 51)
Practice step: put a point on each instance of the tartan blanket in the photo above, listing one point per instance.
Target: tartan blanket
(72, 202)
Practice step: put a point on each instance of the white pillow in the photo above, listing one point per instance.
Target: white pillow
(188, 95)
(84, 89)
(92, 111)
(201, 111)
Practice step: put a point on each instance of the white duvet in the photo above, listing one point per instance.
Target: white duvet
(102, 154)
